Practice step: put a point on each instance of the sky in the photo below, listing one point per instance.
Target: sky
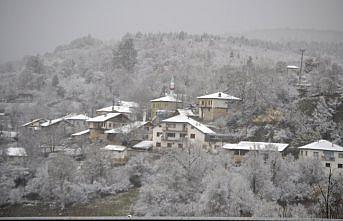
(38, 26)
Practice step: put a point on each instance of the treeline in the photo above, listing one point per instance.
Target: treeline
(87, 73)
(193, 183)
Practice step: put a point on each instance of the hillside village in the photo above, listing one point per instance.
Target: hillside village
(168, 126)
(264, 128)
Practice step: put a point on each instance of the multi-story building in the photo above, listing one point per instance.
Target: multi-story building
(216, 105)
(130, 133)
(99, 124)
(238, 150)
(164, 104)
(178, 130)
(168, 103)
(330, 154)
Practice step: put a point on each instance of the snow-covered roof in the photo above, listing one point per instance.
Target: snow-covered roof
(52, 122)
(80, 133)
(126, 128)
(194, 123)
(292, 67)
(33, 121)
(115, 108)
(219, 95)
(129, 104)
(144, 145)
(103, 118)
(185, 112)
(118, 148)
(322, 145)
(247, 145)
(16, 152)
(167, 98)
(76, 117)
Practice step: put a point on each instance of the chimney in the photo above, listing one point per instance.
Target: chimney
(172, 86)
(144, 116)
(220, 94)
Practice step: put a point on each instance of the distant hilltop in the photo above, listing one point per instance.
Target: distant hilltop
(289, 34)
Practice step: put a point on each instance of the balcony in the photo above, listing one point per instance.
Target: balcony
(328, 158)
(174, 129)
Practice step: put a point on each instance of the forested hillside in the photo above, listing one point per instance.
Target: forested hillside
(86, 73)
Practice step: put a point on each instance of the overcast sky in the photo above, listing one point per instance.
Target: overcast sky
(38, 26)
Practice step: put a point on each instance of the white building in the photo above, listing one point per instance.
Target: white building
(175, 131)
(330, 154)
(238, 150)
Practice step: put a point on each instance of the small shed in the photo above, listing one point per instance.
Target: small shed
(116, 153)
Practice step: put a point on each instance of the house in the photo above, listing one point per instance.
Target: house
(15, 155)
(114, 109)
(59, 125)
(330, 154)
(238, 150)
(177, 130)
(168, 103)
(165, 104)
(132, 132)
(99, 124)
(34, 124)
(143, 145)
(216, 105)
(79, 121)
(117, 154)
(127, 108)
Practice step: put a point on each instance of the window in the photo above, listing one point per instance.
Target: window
(169, 144)
(301, 152)
(110, 124)
(340, 165)
(316, 155)
(236, 152)
(192, 136)
(327, 164)
(202, 102)
(158, 144)
(340, 155)
(243, 152)
(265, 156)
(306, 153)
(170, 134)
(179, 145)
(171, 125)
(183, 135)
(329, 155)
(158, 134)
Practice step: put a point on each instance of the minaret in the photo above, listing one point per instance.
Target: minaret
(172, 87)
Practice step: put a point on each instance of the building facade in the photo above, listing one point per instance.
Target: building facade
(177, 131)
(237, 151)
(216, 105)
(98, 125)
(329, 154)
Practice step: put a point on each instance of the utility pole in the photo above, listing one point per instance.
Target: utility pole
(301, 64)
